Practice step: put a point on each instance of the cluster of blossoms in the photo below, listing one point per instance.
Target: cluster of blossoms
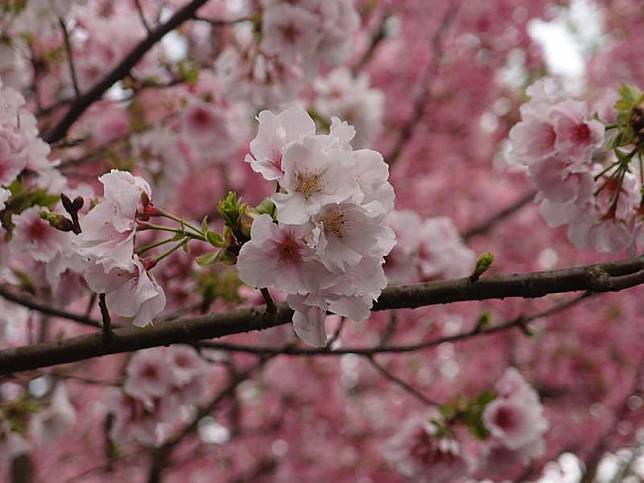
(584, 178)
(159, 383)
(28, 179)
(20, 144)
(295, 40)
(107, 244)
(326, 246)
(24, 417)
(350, 98)
(508, 423)
(426, 249)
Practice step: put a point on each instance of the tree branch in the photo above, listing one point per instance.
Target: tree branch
(401, 383)
(592, 278)
(495, 218)
(46, 309)
(420, 103)
(70, 56)
(80, 105)
(522, 322)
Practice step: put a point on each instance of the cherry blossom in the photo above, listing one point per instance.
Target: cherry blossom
(34, 236)
(133, 293)
(516, 418)
(273, 134)
(49, 424)
(419, 452)
(97, 116)
(279, 256)
(109, 228)
(326, 249)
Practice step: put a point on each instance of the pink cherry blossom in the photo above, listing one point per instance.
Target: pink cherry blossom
(108, 230)
(316, 172)
(442, 253)
(275, 132)
(279, 256)
(148, 376)
(51, 423)
(516, 418)
(133, 294)
(418, 452)
(577, 135)
(34, 236)
(289, 31)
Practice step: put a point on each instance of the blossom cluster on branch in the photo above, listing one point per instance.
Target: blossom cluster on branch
(327, 249)
(588, 172)
(209, 271)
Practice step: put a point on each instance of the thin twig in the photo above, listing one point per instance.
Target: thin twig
(420, 103)
(487, 224)
(271, 308)
(82, 103)
(46, 309)
(107, 320)
(398, 381)
(145, 23)
(70, 56)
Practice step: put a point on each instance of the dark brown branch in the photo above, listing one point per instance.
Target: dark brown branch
(46, 309)
(376, 38)
(80, 105)
(70, 56)
(592, 278)
(521, 322)
(107, 320)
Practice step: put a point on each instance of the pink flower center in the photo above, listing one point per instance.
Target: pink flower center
(289, 250)
(290, 32)
(581, 132)
(37, 230)
(506, 418)
(427, 450)
(181, 361)
(151, 373)
(200, 118)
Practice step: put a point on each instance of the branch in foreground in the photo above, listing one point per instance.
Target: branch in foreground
(80, 105)
(522, 322)
(592, 278)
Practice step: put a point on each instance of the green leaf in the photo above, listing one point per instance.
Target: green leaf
(447, 411)
(207, 259)
(266, 207)
(215, 239)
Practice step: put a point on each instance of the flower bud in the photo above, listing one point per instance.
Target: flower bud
(56, 220)
(483, 263)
